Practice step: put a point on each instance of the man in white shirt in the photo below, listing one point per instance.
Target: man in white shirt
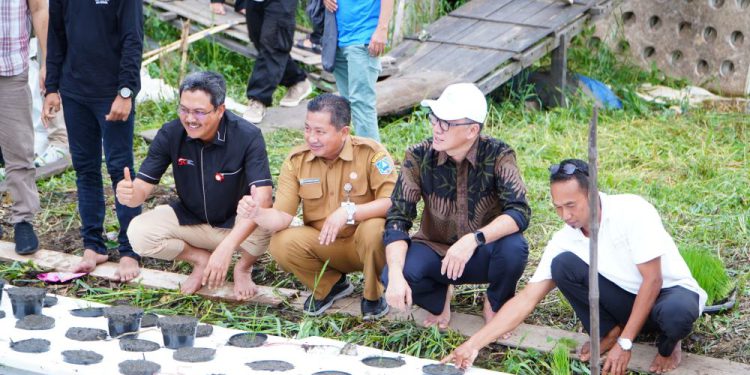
(644, 282)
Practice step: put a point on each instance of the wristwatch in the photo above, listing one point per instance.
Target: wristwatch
(625, 344)
(125, 93)
(479, 237)
(350, 208)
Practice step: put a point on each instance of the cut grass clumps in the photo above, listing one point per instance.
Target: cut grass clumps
(708, 270)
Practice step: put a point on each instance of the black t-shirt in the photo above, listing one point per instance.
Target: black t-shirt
(210, 177)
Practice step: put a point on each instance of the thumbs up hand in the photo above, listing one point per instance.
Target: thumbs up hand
(124, 190)
(249, 206)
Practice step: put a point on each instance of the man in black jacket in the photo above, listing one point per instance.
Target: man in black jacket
(93, 66)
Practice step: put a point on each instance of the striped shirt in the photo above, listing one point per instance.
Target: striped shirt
(15, 32)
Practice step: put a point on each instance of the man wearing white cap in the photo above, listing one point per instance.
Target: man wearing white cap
(474, 212)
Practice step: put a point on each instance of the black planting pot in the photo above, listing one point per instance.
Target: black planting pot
(124, 320)
(178, 331)
(2, 285)
(26, 301)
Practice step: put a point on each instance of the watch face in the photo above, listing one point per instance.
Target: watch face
(479, 236)
(125, 92)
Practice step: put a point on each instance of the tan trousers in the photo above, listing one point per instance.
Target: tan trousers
(17, 143)
(158, 234)
(298, 250)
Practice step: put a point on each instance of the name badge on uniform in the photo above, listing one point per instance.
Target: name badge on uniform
(307, 181)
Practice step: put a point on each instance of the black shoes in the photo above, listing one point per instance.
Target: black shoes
(341, 289)
(373, 310)
(26, 241)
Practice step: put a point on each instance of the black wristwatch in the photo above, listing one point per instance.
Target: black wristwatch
(125, 92)
(479, 237)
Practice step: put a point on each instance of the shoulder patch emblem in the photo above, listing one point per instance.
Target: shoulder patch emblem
(384, 165)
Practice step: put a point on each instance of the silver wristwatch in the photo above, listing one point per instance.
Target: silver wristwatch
(625, 344)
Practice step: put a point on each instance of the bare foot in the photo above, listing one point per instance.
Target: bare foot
(661, 364)
(89, 262)
(193, 283)
(244, 287)
(443, 320)
(489, 314)
(606, 343)
(128, 269)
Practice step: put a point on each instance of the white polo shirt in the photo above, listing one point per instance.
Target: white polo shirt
(630, 233)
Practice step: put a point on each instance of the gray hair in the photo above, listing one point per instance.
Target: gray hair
(211, 83)
(337, 106)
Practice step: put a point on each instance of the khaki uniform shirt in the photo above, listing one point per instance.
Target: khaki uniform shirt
(319, 183)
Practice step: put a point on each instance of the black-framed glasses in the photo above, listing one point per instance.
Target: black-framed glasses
(567, 168)
(199, 114)
(445, 125)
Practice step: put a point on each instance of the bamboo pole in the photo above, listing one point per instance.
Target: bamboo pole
(153, 55)
(593, 246)
(184, 46)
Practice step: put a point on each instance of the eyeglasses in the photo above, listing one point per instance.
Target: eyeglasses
(200, 115)
(445, 125)
(567, 168)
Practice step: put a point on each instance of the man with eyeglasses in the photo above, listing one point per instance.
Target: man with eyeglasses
(475, 211)
(644, 283)
(343, 183)
(217, 158)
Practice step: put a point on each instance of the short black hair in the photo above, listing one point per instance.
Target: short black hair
(211, 83)
(580, 173)
(338, 107)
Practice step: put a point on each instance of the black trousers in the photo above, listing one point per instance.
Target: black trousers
(672, 316)
(270, 25)
(500, 263)
(316, 11)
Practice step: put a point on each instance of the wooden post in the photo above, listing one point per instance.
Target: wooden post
(593, 245)
(559, 70)
(398, 23)
(184, 46)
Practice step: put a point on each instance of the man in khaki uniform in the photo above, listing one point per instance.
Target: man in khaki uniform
(344, 183)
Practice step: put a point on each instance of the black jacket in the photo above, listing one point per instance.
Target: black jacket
(94, 47)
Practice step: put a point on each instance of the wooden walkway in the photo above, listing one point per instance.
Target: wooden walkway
(483, 41)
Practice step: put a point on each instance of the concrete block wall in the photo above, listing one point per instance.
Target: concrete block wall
(704, 41)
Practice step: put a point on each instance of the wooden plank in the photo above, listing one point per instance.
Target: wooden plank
(544, 339)
(148, 278)
(521, 11)
(557, 14)
(559, 74)
(482, 8)
(47, 171)
(503, 36)
(396, 96)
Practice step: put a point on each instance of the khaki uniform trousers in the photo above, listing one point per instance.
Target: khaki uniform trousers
(158, 234)
(298, 250)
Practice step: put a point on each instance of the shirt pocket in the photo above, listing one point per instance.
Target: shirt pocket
(313, 206)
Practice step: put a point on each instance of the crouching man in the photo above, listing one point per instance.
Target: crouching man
(644, 283)
(216, 158)
(344, 184)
